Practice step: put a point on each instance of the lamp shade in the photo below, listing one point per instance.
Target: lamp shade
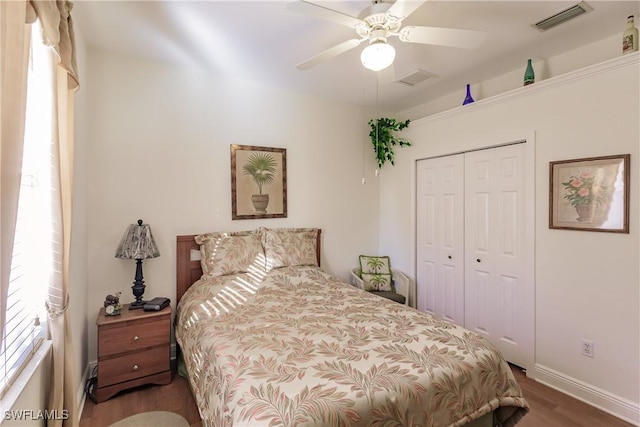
(378, 55)
(137, 243)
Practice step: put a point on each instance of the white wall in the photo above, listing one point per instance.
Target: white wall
(587, 283)
(545, 68)
(159, 149)
(29, 393)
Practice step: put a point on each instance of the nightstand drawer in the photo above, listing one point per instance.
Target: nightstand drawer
(133, 365)
(134, 336)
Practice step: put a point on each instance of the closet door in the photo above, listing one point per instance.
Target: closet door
(440, 237)
(496, 297)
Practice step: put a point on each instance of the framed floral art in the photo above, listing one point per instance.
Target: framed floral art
(590, 194)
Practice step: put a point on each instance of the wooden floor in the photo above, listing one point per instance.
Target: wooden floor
(549, 408)
(175, 397)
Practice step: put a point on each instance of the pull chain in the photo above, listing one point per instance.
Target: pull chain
(377, 121)
(364, 142)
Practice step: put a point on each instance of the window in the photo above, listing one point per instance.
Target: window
(34, 248)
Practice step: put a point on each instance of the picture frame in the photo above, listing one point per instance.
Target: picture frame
(258, 182)
(590, 194)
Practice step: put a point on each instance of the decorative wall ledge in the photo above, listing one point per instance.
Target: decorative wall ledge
(629, 60)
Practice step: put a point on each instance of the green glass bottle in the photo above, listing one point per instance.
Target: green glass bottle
(529, 76)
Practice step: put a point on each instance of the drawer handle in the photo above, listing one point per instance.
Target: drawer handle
(136, 367)
(136, 338)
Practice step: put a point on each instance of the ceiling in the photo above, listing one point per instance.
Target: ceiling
(262, 41)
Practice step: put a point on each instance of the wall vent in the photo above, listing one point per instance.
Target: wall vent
(562, 16)
(415, 78)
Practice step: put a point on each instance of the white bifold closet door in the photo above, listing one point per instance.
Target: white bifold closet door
(471, 257)
(440, 237)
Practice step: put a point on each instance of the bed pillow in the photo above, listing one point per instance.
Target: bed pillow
(289, 247)
(376, 273)
(230, 253)
(367, 283)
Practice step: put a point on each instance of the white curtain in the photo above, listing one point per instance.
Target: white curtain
(57, 27)
(55, 18)
(14, 45)
(63, 375)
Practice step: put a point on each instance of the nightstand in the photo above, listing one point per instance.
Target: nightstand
(133, 350)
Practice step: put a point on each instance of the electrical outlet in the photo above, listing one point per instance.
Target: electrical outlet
(588, 348)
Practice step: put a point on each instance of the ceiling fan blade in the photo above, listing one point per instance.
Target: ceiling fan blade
(403, 8)
(322, 12)
(452, 37)
(329, 53)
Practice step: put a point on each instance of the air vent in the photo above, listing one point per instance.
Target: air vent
(562, 16)
(415, 78)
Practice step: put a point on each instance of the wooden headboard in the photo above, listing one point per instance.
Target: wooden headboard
(189, 269)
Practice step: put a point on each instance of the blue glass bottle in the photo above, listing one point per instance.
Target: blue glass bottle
(468, 99)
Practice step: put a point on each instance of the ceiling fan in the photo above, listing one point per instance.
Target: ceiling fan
(378, 22)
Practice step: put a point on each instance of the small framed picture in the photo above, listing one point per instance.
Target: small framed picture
(258, 182)
(590, 194)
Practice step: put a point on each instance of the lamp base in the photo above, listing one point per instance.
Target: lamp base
(137, 305)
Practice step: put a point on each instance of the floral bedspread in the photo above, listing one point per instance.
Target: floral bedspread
(300, 348)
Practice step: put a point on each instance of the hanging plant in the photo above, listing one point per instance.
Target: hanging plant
(383, 138)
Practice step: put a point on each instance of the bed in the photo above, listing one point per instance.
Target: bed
(269, 339)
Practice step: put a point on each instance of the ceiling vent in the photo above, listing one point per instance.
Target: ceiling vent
(415, 78)
(562, 16)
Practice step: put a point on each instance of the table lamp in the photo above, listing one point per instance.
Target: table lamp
(137, 243)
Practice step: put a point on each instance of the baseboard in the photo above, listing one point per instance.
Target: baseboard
(608, 402)
(81, 395)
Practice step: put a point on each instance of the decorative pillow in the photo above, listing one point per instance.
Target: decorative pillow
(377, 282)
(230, 253)
(289, 247)
(376, 273)
(369, 286)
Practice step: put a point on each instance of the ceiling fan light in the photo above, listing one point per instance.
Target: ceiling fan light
(378, 55)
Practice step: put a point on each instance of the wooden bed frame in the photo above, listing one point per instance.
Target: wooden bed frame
(189, 269)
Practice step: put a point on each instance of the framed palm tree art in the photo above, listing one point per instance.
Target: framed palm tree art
(258, 182)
